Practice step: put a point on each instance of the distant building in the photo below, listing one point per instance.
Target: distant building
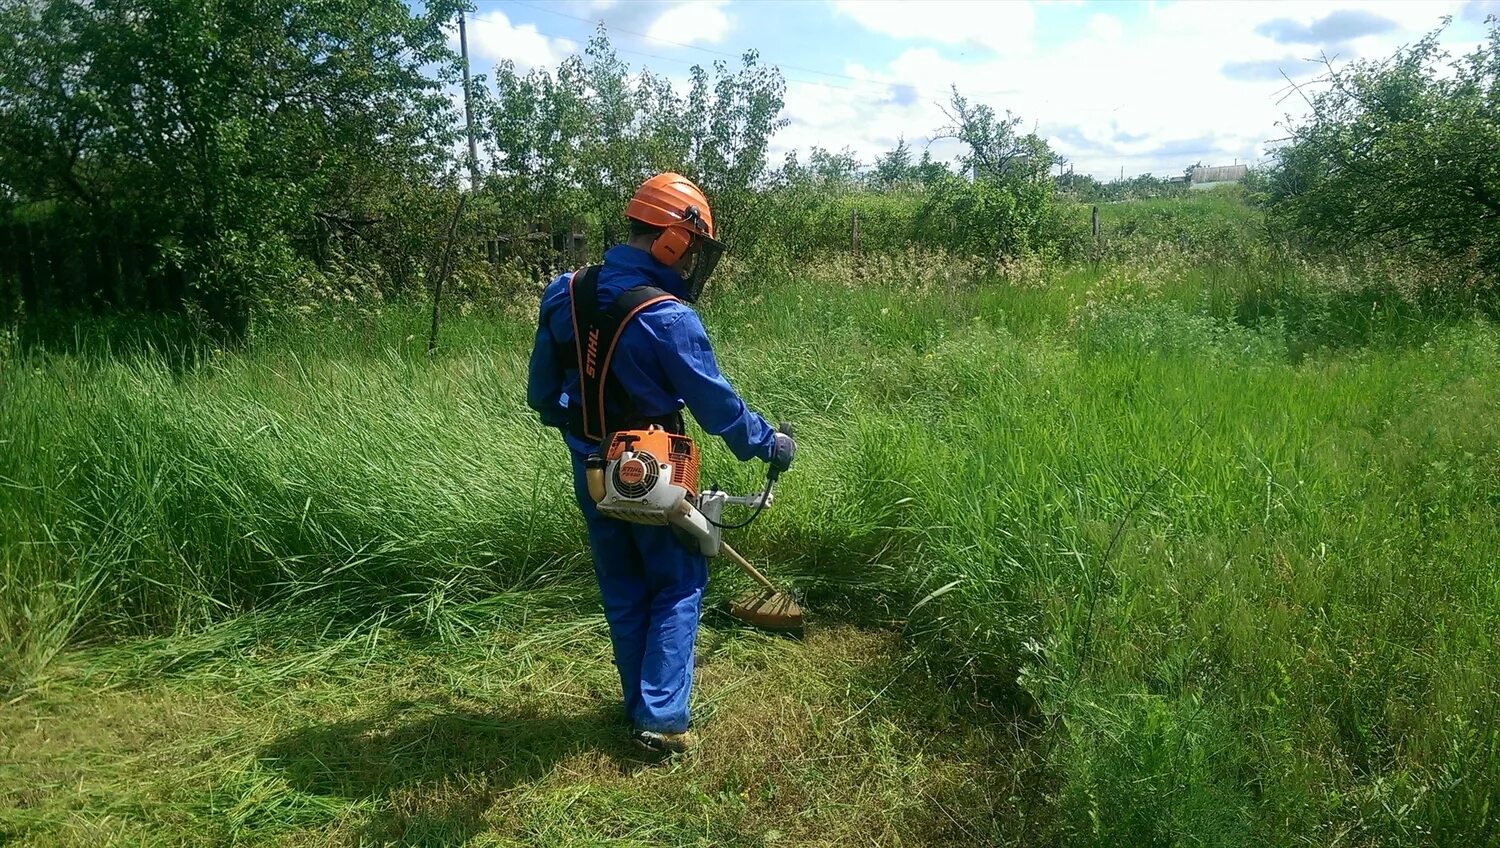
(1217, 175)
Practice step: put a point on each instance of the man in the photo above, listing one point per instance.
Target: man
(618, 347)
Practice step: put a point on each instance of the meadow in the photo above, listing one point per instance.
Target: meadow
(1190, 544)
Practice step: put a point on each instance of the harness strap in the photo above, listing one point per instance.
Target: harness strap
(596, 332)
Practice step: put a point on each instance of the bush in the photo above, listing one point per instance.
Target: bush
(1400, 156)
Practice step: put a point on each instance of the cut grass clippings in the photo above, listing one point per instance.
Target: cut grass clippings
(508, 737)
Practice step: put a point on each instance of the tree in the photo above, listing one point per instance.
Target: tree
(929, 171)
(215, 134)
(1082, 187)
(731, 133)
(995, 148)
(579, 141)
(894, 166)
(1402, 154)
(1002, 211)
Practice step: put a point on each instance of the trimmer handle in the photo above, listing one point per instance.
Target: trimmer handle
(785, 450)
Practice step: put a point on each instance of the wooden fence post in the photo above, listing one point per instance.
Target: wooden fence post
(854, 232)
(1098, 232)
(10, 288)
(43, 296)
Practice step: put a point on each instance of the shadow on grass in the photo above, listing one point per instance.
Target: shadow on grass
(433, 770)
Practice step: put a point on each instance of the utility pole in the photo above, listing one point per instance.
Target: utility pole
(447, 262)
(463, 46)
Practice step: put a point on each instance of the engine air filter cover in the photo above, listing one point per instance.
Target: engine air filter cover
(637, 475)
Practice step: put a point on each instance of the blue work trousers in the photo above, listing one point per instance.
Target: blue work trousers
(652, 588)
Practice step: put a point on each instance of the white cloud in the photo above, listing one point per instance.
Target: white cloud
(1106, 27)
(691, 23)
(1002, 27)
(493, 37)
(1478, 10)
(1145, 87)
(1413, 15)
(1146, 91)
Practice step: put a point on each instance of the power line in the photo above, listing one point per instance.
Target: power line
(877, 88)
(679, 43)
(870, 86)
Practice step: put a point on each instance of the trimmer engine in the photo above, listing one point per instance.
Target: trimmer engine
(648, 476)
(651, 477)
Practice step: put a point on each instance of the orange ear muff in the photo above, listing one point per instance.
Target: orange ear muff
(671, 245)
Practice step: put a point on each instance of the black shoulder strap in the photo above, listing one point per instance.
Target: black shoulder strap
(631, 301)
(595, 333)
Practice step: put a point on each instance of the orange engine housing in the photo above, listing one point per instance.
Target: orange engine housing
(680, 451)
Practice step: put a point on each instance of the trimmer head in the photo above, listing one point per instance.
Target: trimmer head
(768, 610)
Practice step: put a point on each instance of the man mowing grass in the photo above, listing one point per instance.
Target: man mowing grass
(624, 332)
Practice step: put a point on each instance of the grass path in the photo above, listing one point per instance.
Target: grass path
(265, 731)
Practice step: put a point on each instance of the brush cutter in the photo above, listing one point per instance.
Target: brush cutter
(650, 476)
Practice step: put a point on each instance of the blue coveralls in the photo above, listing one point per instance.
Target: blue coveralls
(652, 586)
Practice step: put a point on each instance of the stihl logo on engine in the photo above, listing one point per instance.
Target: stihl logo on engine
(592, 358)
(632, 471)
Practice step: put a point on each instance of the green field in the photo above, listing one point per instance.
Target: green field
(1190, 546)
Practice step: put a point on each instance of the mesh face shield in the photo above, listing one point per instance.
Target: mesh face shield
(703, 257)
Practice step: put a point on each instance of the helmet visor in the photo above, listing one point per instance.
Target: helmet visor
(702, 258)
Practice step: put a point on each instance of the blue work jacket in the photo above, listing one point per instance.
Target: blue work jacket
(662, 359)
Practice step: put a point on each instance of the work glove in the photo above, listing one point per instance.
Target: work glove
(782, 451)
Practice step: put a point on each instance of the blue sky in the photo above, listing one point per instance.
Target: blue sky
(1133, 86)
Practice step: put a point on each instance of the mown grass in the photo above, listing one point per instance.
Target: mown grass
(258, 731)
(1224, 528)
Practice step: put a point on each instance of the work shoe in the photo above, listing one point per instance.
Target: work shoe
(664, 743)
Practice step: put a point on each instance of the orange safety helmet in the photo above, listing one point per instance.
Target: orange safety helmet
(672, 202)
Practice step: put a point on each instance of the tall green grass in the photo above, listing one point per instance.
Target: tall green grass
(1238, 565)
